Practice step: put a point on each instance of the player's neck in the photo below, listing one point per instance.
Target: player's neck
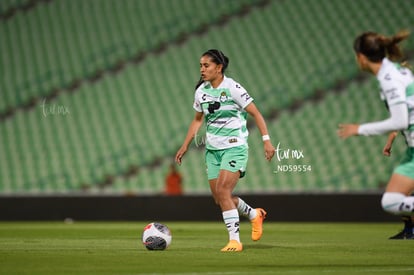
(375, 67)
(217, 81)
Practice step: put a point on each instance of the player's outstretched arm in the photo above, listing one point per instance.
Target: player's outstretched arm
(347, 130)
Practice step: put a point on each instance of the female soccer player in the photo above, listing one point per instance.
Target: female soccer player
(223, 104)
(377, 54)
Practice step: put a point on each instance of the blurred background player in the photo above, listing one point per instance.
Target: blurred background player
(378, 54)
(173, 182)
(224, 104)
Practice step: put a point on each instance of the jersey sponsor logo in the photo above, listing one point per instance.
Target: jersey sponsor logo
(233, 140)
(387, 77)
(212, 107)
(220, 122)
(208, 98)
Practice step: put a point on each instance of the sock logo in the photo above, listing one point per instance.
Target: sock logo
(237, 226)
(406, 207)
(247, 210)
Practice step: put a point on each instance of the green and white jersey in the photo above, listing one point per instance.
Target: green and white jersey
(397, 90)
(224, 113)
(397, 87)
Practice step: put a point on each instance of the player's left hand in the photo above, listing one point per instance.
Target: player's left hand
(347, 130)
(386, 151)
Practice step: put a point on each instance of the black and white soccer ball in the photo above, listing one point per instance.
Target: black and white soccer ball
(156, 236)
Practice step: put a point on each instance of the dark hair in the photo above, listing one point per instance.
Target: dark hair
(217, 57)
(376, 46)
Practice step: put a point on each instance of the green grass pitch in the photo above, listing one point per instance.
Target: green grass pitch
(285, 248)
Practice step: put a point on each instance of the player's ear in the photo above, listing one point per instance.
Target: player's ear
(220, 68)
(361, 60)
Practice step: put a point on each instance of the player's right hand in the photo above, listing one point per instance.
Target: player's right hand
(179, 155)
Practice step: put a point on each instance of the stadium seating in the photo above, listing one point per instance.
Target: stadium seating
(59, 42)
(355, 164)
(88, 139)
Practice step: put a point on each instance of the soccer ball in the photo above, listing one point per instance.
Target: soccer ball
(156, 236)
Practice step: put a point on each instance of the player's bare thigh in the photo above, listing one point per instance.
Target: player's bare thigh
(401, 184)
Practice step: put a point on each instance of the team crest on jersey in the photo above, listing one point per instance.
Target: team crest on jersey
(223, 97)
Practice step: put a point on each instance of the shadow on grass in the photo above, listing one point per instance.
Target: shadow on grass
(259, 246)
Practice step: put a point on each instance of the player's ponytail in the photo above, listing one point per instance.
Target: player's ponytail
(391, 44)
(200, 81)
(376, 46)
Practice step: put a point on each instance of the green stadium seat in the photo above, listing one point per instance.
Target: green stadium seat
(139, 116)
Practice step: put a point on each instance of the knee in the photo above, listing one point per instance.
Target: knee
(391, 202)
(222, 195)
(217, 196)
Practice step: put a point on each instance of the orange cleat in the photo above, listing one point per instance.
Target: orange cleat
(257, 224)
(233, 246)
